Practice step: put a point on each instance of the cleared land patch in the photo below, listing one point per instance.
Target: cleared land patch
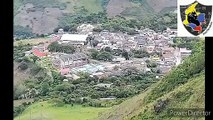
(46, 111)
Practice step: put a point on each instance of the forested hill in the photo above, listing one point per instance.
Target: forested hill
(33, 17)
(183, 87)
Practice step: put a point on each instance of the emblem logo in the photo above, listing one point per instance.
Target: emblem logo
(196, 18)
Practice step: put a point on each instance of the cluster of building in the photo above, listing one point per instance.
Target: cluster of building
(148, 40)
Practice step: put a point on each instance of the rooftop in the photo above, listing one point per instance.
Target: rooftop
(89, 68)
(168, 55)
(185, 50)
(76, 56)
(38, 53)
(74, 37)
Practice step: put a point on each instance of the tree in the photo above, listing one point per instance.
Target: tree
(94, 53)
(58, 102)
(97, 29)
(55, 47)
(35, 69)
(56, 29)
(95, 95)
(105, 56)
(94, 43)
(66, 28)
(125, 55)
(152, 65)
(107, 49)
(23, 32)
(116, 52)
(130, 71)
(35, 58)
(23, 66)
(140, 53)
(44, 89)
(19, 90)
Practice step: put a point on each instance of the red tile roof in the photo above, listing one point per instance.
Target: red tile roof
(64, 71)
(36, 52)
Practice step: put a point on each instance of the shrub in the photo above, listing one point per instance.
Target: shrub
(35, 70)
(58, 102)
(19, 90)
(23, 66)
(55, 47)
(22, 32)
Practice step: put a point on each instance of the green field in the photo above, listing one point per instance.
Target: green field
(34, 41)
(46, 111)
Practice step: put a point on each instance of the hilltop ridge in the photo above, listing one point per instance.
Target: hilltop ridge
(36, 16)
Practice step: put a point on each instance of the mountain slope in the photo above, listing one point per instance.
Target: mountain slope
(182, 88)
(159, 5)
(43, 16)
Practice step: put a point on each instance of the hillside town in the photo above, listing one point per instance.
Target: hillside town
(149, 40)
(107, 59)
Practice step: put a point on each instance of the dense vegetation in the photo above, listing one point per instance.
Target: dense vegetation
(71, 92)
(55, 47)
(101, 55)
(50, 86)
(83, 90)
(184, 42)
(23, 32)
(118, 23)
(163, 21)
(140, 53)
(18, 53)
(106, 54)
(19, 109)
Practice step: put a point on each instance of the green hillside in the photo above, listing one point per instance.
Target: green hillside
(93, 6)
(47, 111)
(33, 17)
(184, 87)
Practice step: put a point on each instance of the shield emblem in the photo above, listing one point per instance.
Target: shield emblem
(196, 17)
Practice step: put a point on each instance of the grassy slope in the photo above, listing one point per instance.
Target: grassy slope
(186, 93)
(128, 108)
(132, 10)
(51, 19)
(93, 6)
(34, 41)
(189, 95)
(139, 11)
(134, 108)
(49, 112)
